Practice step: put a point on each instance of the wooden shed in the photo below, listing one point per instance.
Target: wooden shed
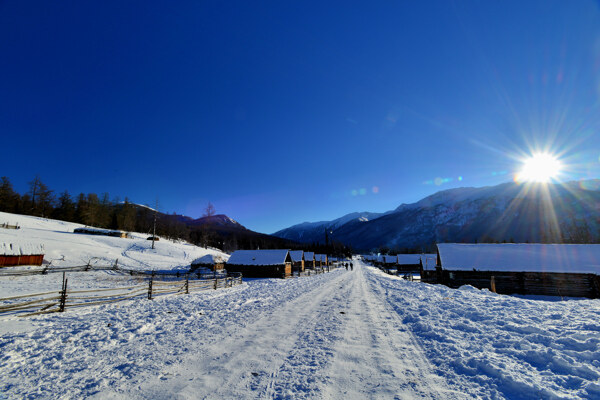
(261, 263)
(309, 260)
(297, 260)
(214, 262)
(12, 254)
(571, 270)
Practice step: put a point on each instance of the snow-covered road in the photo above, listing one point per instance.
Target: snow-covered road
(334, 341)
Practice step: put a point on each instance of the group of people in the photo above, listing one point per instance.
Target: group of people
(351, 267)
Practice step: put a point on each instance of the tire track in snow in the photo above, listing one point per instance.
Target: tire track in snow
(379, 357)
(281, 355)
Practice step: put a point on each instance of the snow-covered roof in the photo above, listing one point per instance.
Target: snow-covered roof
(573, 258)
(321, 257)
(210, 259)
(429, 261)
(409, 258)
(259, 257)
(297, 255)
(309, 255)
(390, 259)
(21, 249)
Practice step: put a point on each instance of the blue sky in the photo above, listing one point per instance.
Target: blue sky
(284, 112)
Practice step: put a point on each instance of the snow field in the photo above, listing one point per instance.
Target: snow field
(65, 248)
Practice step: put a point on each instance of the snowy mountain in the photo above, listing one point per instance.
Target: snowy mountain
(566, 212)
(314, 232)
(219, 220)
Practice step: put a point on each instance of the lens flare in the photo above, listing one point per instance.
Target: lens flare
(540, 167)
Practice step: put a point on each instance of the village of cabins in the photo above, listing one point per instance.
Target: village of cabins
(566, 270)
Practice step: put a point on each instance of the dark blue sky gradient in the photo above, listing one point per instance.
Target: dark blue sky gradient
(281, 112)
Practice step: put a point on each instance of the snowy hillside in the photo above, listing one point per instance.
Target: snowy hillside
(341, 335)
(65, 248)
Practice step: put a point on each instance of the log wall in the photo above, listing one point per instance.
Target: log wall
(262, 271)
(526, 283)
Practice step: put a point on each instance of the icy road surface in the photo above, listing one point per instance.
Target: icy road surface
(339, 335)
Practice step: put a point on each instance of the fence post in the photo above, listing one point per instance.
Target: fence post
(63, 294)
(116, 264)
(187, 284)
(493, 284)
(150, 287)
(216, 283)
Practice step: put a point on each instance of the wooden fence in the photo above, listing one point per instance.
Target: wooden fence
(59, 301)
(48, 269)
(6, 225)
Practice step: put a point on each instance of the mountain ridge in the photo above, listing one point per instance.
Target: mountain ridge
(565, 212)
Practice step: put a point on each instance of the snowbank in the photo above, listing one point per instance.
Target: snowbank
(496, 346)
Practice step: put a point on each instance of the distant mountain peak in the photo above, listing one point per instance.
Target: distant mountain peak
(218, 220)
(566, 212)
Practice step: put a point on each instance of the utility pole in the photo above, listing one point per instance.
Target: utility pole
(154, 230)
(154, 225)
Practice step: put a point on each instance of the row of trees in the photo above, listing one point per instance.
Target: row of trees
(88, 209)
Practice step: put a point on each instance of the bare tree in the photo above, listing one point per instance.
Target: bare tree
(209, 211)
(41, 197)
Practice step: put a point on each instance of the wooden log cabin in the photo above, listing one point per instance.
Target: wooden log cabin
(320, 261)
(297, 260)
(567, 270)
(214, 262)
(309, 260)
(408, 262)
(12, 254)
(261, 263)
(389, 263)
(371, 259)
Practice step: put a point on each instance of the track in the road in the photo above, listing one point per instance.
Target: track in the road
(338, 341)
(378, 357)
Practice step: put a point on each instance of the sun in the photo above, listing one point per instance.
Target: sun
(540, 167)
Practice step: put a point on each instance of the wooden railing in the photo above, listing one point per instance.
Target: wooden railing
(59, 301)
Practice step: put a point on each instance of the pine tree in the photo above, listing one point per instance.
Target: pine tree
(126, 217)
(65, 210)
(8, 197)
